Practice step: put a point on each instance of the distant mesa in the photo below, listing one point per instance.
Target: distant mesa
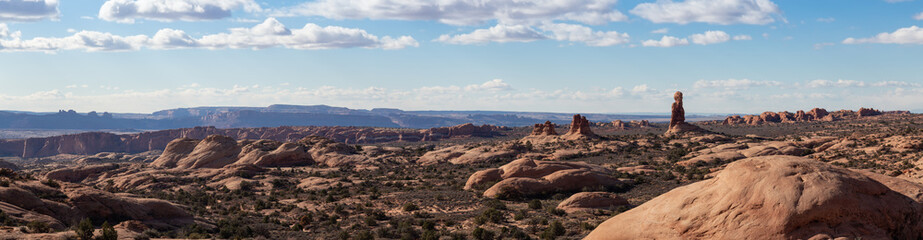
(678, 123)
(816, 114)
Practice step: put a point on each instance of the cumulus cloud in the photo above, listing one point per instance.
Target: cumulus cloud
(919, 16)
(908, 35)
(498, 33)
(492, 85)
(28, 10)
(709, 11)
(126, 11)
(578, 33)
(823, 83)
(270, 33)
(710, 37)
(523, 33)
(895, 84)
(666, 41)
(464, 12)
(735, 84)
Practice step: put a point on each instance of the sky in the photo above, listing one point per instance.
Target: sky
(576, 56)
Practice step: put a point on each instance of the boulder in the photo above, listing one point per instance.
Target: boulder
(775, 197)
(587, 201)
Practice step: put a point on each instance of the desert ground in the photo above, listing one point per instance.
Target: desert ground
(854, 175)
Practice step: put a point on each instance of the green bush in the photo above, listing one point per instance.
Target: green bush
(38, 227)
(482, 234)
(554, 230)
(535, 204)
(84, 229)
(410, 207)
(108, 232)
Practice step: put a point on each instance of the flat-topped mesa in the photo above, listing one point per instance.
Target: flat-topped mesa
(580, 126)
(546, 129)
(678, 117)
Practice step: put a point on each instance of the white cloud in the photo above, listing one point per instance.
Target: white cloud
(464, 12)
(126, 11)
(908, 35)
(919, 16)
(709, 11)
(661, 31)
(895, 84)
(492, 85)
(523, 33)
(826, 20)
(823, 83)
(578, 33)
(710, 37)
(28, 10)
(643, 88)
(735, 84)
(742, 37)
(498, 33)
(270, 33)
(666, 41)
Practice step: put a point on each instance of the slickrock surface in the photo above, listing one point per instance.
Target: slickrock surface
(775, 197)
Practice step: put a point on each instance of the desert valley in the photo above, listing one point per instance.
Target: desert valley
(814, 174)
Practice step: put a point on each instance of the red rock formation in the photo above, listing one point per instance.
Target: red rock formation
(678, 114)
(96, 142)
(816, 114)
(678, 118)
(618, 124)
(580, 126)
(865, 112)
(546, 129)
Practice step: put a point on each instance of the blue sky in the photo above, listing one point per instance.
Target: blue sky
(593, 56)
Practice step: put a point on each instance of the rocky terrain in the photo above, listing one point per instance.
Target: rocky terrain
(97, 142)
(854, 177)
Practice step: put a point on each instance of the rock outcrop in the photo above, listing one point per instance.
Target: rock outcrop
(580, 127)
(776, 197)
(77, 174)
(546, 129)
(678, 123)
(96, 142)
(816, 114)
(526, 177)
(588, 201)
(218, 151)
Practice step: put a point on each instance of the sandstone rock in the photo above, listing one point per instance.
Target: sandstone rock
(100, 205)
(865, 112)
(269, 153)
(77, 174)
(318, 183)
(175, 150)
(721, 157)
(776, 197)
(479, 179)
(641, 169)
(8, 165)
(580, 127)
(678, 123)
(214, 151)
(546, 129)
(618, 124)
(525, 177)
(587, 201)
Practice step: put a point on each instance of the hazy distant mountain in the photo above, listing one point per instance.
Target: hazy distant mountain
(293, 115)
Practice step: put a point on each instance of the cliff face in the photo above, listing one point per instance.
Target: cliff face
(95, 142)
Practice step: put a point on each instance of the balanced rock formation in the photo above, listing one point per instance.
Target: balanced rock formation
(526, 177)
(777, 197)
(546, 129)
(678, 117)
(588, 201)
